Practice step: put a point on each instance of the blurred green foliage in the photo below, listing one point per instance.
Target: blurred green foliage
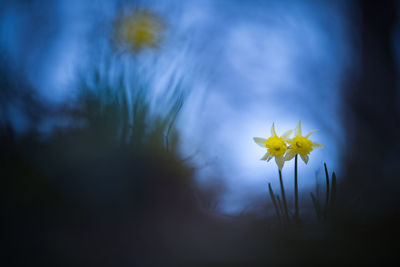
(122, 111)
(116, 158)
(119, 150)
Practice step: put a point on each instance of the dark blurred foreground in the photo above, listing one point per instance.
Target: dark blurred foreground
(105, 192)
(70, 207)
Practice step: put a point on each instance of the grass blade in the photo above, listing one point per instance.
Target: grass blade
(317, 208)
(283, 197)
(280, 205)
(327, 190)
(333, 194)
(271, 193)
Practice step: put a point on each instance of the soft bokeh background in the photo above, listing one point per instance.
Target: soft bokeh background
(247, 65)
(241, 66)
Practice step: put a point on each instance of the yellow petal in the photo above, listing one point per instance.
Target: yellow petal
(279, 161)
(260, 141)
(308, 135)
(273, 133)
(289, 155)
(267, 157)
(317, 145)
(304, 158)
(298, 129)
(287, 134)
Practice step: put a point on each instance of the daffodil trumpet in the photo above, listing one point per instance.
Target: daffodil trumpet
(276, 146)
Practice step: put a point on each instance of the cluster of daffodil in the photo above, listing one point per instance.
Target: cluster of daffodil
(283, 148)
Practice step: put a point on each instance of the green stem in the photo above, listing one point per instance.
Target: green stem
(296, 191)
(271, 193)
(283, 197)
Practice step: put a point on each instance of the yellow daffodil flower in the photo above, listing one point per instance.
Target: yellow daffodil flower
(276, 146)
(140, 29)
(301, 145)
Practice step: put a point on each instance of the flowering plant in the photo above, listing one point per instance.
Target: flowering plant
(283, 148)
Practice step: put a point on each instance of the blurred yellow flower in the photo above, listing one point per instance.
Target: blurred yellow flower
(276, 146)
(301, 145)
(140, 29)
